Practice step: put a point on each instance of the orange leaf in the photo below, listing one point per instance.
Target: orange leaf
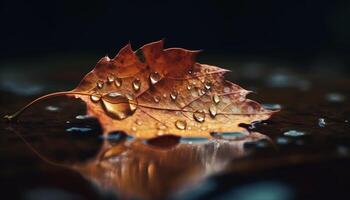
(155, 91)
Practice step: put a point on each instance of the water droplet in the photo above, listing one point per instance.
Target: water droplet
(212, 110)
(138, 122)
(190, 71)
(110, 78)
(136, 84)
(180, 124)
(52, 108)
(95, 97)
(201, 92)
(173, 95)
(216, 99)
(100, 84)
(294, 133)
(322, 122)
(118, 82)
(199, 116)
(207, 85)
(118, 106)
(207, 71)
(189, 87)
(161, 126)
(133, 128)
(154, 77)
(156, 99)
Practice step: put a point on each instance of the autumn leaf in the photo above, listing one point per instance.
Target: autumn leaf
(155, 91)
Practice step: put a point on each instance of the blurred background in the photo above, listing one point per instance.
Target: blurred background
(293, 30)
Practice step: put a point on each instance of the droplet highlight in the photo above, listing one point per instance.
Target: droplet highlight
(322, 122)
(199, 116)
(118, 82)
(173, 95)
(180, 124)
(154, 77)
(136, 84)
(213, 111)
(216, 99)
(156, 99)
(207, 85)
(118, 106)
(100, 84)
(110, 78)
(95, 98)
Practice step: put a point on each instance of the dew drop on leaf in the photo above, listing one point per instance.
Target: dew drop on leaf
(136, 84)
(110, 78)
(100, 84)
(189, 87)
(95, 97)
(154, 77)
(161, 126)
(118, 106)
(173, 95)
(180, 124)
(156, 99)
(207, 85)
(216, 99)
(201, 92)
(212, 110)
(199, 116)
(118, 82)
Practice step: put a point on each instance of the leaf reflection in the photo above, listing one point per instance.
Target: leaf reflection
(134, 169)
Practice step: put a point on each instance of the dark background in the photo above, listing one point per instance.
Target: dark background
(288, 29)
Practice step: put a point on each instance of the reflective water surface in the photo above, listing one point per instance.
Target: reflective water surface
(303, 152)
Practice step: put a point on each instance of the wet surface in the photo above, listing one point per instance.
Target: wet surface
(303, 152)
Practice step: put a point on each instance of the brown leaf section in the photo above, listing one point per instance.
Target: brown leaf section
(155, 91)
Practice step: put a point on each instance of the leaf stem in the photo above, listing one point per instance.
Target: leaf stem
(19, 112)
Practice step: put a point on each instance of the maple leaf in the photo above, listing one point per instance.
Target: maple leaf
(155, 91)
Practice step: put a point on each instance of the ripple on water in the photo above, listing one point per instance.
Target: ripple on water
(282, 140)
(193, 140)
(271, 106)
(294, 133)
(82, 117)
(228, 135)
(78, 129)
(335, 97)
(51, 108)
